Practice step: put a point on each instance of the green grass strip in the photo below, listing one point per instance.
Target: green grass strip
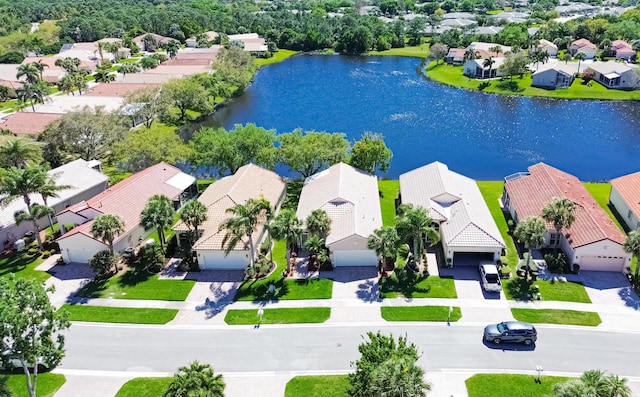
(48, 384)
(483, 385)
(144, 387)
(388, 193)
(557, 316)
(317, 386)
(278, 316)
(129, 315)
(420, 313)
(136, 284)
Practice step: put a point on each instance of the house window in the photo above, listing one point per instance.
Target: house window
(638, 225)
(553, 239)
(629, 214)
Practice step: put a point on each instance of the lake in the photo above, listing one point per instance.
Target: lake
(483, 136)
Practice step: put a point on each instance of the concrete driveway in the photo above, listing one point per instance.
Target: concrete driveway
(351, 283)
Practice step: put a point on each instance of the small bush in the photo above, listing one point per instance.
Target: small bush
(32, 251)
(557, 262)
(46, 254)
(509, 85)
(403, 250)
(264, 247)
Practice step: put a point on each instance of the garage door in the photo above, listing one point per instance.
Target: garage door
(602, 263)
(471, 258)
(217, 260)
(354, 258)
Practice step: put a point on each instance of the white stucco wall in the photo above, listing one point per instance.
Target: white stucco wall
(79, 248)
(623, 209)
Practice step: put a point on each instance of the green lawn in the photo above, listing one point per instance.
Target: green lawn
(144, 387)
(100, 314)
(114, 174)
(388, 193)
(317, 386)
(517, 288)
(601, 192)
(420, 313)
(23, 265)
(409, 285)
(491, 191)
(8, 104)
(286, 289)
(48, 384)
(278, 56)
(278, 316)
(130, 60)
(421, 51)
(483, 385)
(556, 316)
(452, 75)
(136, 284)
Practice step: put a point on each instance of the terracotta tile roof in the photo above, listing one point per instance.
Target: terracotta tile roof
(620, 44)
(629, 188)
(116, 89)
(250, 181)
(12, 84)
(189, 62)
(186, 70)
(580, 43)
(127, 199)
(28, 123)
(530, 193)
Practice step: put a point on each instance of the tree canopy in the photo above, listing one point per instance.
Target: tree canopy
(310, 152)
(370, 153)
(145, 147)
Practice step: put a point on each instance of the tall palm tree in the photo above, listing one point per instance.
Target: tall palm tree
(286, 226)
(172, 48)
(27, 93)
(195, 380)
(29, 71)
(580, 57)
(34, 213)
(531, 233)
(413, 223)
(18, 183)
(193, 214)
(385, 243)
(101, 48)
(562, 213)
(566, 58)
(50, 189)
(158, 213)
(243, 223)
(318, 223)
(40, 66)
(399, 378)
(106, 228)
(114, 48)
(488, 63)
(497, 50)
(632, 246)
(470, 54)
(19, 153)
(103, 75)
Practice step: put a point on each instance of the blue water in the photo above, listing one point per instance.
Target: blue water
(480, 135)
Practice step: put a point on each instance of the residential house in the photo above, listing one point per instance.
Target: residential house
(455, 204)
(28, 123)
(9, 79)
(459, 15)
(455, 56)
(593, 241)
(486, 30)
(576, 8)
(615, 75)
(476, 69)
(251, 42)
(351, 199)
(549, 47)
(249, 182)
(457, 23)
(484, 48)
(53, 73)
(117, 89)
(625, 198)
(554, 75)
(68, 103)
(192, 42)
(84, 181)
(623, 50)
(584, 46)
(160, 41)
(126, 200)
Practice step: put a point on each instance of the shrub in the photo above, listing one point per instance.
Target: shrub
(557, 262)
(588, 75)
(403, 250)
(264, 247)
(46, 254)
(509, 85)
(32, 251)
(102, 263)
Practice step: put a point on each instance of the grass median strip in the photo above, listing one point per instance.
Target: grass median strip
(135, 284)
(317, 386)
(420, 313)
(48, 384)
(483, 385)
(557, 316)
(278, 316)
(144, 387)
(405, 283)
(104, 314)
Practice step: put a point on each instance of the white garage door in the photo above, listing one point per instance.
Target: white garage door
(217, 260)
(354, 258)
(602, 263)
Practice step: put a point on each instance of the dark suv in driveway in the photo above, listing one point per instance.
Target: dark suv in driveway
(511, 331)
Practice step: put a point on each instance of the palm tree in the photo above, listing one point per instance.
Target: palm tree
(35, 212)
(580, 57)
(413, 223)
(103, 75)
(195, 380)
(318, 223)
(114, 48)
(385, 243)
(172, 48)
(617, 386)
(19, 153)
(496, 50)
(18, 183)
(593, 383)
(106, 227)
(29, 71)
(632, 246)
(286, 226)
(40, 66)
(129, 68)
(102, 47)
(531, 232)
(4, 93)
(560, 212)
(27, 93)
(566, 58)
(69, 64)
(193, 214)
(50, 189)
(158, 213)
(243, 223)
(470, 54)
(399, 378)
(488, 63)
